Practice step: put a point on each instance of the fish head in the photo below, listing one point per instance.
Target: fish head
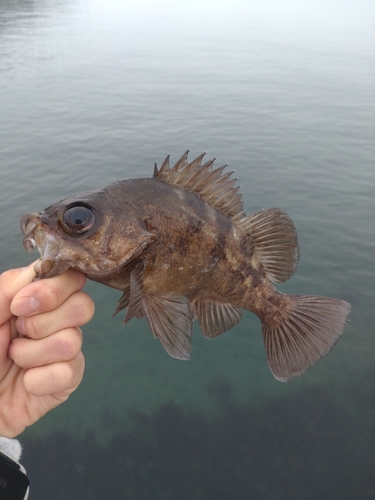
(96, 233)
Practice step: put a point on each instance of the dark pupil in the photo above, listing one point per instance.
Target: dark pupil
(78, 220)
(78, 215)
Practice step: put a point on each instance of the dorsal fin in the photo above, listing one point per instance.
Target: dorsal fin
(212, 185)
(272, 231)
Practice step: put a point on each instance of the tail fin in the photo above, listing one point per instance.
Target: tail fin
(310, 328)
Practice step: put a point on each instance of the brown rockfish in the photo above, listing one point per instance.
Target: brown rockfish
(180, 247)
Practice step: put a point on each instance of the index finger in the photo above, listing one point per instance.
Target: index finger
(47, 294)
(11, 282)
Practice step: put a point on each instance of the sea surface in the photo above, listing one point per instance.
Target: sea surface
(284, 91)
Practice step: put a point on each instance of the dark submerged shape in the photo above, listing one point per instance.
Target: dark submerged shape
(180, 247)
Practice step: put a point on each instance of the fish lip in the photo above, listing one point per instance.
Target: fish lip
(28, 222)
(36, 235)
(29, 226)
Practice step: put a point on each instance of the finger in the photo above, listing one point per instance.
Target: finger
(11, 282)
(77, 310)
(8, 332)
(58, 379)
(62, 346)
(47, 294)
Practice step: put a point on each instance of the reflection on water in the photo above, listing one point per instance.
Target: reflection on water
(305, 446)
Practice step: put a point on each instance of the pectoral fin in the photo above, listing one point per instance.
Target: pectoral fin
(123, 301)
(132, 295)
(135, 293)
(215, 318)
(170, 320)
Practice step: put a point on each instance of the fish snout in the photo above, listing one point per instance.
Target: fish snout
(29, 226)
(29, 222)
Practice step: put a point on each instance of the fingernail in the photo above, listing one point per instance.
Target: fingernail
(20, 326)
(24, 306)
(32, 264)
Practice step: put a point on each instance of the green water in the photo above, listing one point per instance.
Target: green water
(91, 92)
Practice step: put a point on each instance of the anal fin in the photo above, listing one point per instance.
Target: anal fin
(170, 320)
(214, 317)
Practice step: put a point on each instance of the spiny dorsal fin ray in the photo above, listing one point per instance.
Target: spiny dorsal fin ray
(170, 320)
(193, 166)
(180, 165)
(206, 182)
(310, 329)
(232, 203)
(199, 176)
(275, 242)
(217, 182)
(214, 317)
(212, 185)
(164, 169)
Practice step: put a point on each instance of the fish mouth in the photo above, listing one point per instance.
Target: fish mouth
(48, 246)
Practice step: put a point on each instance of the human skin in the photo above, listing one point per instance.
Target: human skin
(41, 362)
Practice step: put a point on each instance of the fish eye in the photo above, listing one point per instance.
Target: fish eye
(77, 219)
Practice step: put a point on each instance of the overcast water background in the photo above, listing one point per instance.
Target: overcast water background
(94, 91)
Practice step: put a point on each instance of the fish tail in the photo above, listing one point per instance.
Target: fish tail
(301, 332)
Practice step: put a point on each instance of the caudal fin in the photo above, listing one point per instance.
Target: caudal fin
(310, 328)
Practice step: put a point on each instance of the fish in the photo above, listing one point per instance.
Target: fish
(180, 247)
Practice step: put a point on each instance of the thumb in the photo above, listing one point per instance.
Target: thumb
(11, 282)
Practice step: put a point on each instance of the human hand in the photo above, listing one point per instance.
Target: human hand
(41, 362)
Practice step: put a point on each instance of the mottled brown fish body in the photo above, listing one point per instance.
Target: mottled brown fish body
(180, 247)
(198, 252)
(194, 241)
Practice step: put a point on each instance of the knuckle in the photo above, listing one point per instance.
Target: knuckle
(65, 375)
(83, 307)
(31, 381)
(90, 307)
(15, 351)
(70, 373)
(32, 327)
(68, 344)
